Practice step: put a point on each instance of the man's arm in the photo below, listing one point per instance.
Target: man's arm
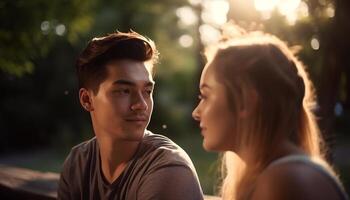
(170, 183)
(63, 184)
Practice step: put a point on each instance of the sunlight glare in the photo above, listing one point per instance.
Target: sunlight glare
(265, 15)
(215, 11)
(265, 5)
(195, 2)
(286, 7)
(303, 10)
(209, 34)
(291, 18)
(291, 9)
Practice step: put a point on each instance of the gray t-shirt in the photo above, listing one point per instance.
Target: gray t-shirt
(160, 170)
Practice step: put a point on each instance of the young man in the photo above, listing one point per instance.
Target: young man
(124, 160)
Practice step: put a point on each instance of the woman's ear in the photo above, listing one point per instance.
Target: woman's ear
(249, 103)
(85, 99)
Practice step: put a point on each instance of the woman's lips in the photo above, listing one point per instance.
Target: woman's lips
(202, 129)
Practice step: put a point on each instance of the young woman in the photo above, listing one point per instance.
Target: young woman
(256, 106)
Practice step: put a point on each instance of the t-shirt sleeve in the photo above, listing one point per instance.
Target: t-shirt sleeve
(63, 184)
(170, 183)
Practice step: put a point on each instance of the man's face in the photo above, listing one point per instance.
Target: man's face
(123, 104)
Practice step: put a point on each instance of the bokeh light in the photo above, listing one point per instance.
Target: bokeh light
(60, 29)
(186, 41)
(315, 44)
(330, 11)
(45, 27)
(186, 15)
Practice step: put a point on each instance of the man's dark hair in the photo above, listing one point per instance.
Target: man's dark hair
(91, 63)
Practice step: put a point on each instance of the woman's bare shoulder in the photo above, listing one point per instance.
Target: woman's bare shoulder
(293, 181)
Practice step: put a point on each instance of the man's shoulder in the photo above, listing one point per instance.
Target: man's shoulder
(164, 151)
(163, 161)
(83, 146)
(83, 150)
(158, 142)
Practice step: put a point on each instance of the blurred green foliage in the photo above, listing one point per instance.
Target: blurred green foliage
(29, 28)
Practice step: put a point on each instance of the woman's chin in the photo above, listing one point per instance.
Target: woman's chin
(208, 146)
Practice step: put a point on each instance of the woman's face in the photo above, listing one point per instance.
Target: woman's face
(216, 121)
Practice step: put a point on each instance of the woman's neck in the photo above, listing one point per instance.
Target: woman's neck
(285, 148)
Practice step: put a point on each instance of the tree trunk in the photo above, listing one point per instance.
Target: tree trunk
(336, 62)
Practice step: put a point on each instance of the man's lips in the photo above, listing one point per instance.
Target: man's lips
(137, 119)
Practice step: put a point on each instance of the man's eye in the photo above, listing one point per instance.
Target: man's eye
(122, 91)
(148, 90)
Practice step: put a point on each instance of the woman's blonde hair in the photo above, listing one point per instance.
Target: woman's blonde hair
(261, 74)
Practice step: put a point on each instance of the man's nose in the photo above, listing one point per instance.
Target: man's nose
(139, 102)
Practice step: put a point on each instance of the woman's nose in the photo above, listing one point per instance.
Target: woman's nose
(195, 114)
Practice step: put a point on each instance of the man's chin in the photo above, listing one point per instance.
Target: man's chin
(135, 135)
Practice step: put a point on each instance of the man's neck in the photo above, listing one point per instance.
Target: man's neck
(115, 154)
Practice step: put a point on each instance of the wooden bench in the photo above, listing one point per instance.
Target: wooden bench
(20, 183)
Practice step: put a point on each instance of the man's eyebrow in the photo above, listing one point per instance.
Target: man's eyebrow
(123, 82)
(131, 83)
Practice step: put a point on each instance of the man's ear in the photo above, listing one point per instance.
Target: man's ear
(85, 99)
